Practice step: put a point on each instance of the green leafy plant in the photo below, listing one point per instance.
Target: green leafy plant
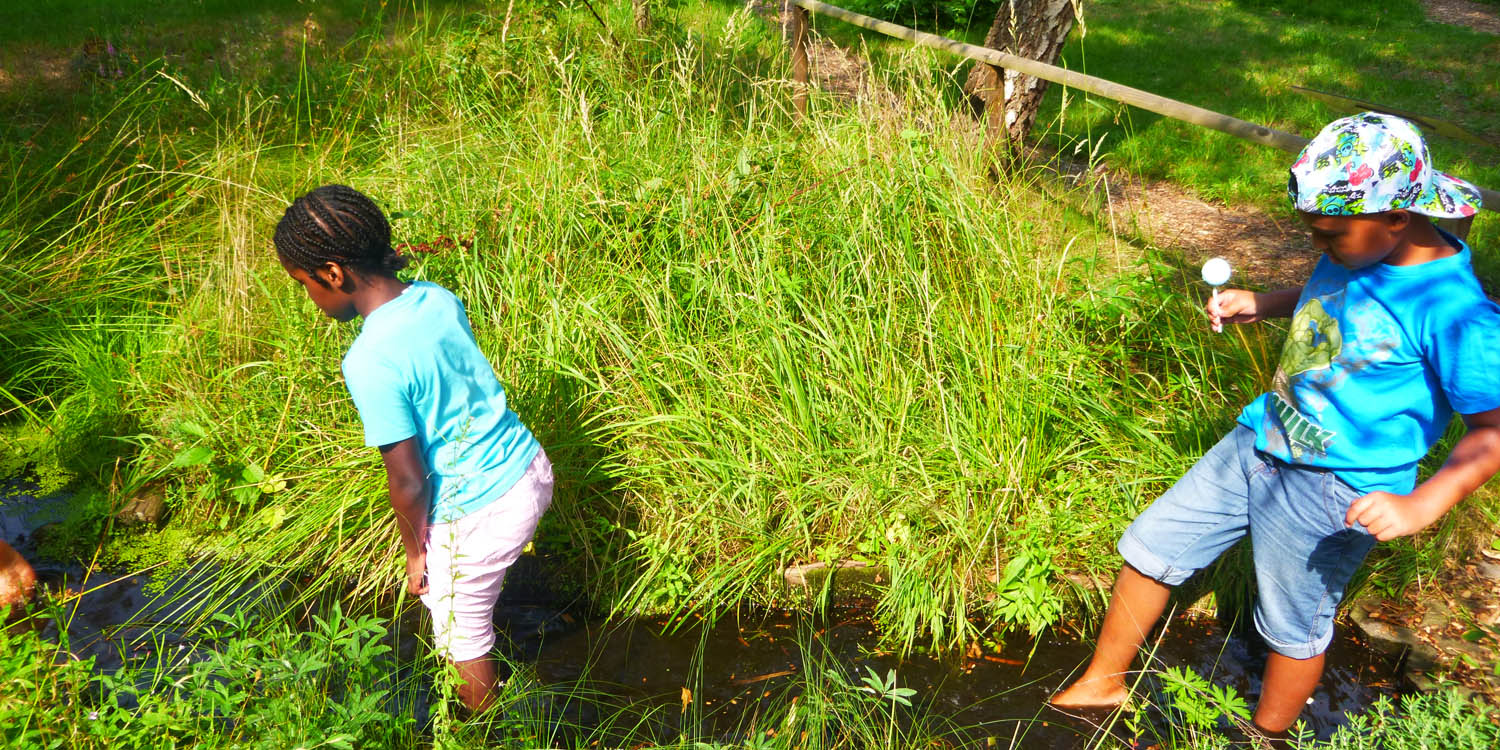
(1024, 595)
(329, 686)
(885, 687)
(1202, 704)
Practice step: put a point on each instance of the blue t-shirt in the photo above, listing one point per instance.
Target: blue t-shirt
(415, 370)
(1375, 364)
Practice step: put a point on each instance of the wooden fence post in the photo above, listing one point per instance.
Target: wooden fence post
(997, 140)
(797, 32)
(1457, 227)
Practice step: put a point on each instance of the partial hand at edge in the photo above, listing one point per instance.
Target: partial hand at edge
(1387, 516)
(416, 575)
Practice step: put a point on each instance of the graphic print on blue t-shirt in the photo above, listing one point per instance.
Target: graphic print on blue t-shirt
(1376, 362)
(1311, 345)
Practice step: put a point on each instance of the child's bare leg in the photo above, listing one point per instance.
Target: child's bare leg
(1134, 608)
(477, 682)
(1285, 688)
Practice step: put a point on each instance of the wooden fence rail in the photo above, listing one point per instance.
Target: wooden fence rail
(1288, 142)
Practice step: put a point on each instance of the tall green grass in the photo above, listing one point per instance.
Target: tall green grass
(745, 343)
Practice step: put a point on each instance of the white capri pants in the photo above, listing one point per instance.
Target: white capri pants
(467, 560)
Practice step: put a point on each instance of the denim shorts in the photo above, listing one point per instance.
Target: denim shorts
(1304, 555)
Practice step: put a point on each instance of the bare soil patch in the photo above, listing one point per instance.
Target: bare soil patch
(1264, 251)
(829, 66)
(1474, 15)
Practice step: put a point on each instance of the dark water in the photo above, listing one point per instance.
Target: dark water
(741, 668)
(741, 672)
(111, 616)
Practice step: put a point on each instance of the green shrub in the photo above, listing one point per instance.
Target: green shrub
(254, 687)
(927, 14)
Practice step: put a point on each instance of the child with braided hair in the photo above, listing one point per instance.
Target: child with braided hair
(467, 480)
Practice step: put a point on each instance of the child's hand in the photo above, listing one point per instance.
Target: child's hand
(1232, 306)
(416, 574)
(1388, 516)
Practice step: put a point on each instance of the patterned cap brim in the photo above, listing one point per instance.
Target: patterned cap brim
(1448, 197)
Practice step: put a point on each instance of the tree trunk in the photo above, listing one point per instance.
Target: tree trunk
(1034, 29)
(642, 14)
(794, 18)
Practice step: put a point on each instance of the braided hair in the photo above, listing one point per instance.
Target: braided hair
(338, 224)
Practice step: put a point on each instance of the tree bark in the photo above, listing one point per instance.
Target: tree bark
(1034, 29)
(642, 14)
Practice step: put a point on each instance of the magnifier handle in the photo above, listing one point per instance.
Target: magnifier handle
(1218, 324)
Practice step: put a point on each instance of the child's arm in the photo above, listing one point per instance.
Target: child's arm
(1240, 306)
(1473, 461)
(406, 478)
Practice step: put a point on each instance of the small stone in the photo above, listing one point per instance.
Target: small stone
(849, 577)
(1387, 636)
(1478, 652)
(1421, 659)
(146, 506)
(1383, 635)
(1435, 619)
(1488, 570)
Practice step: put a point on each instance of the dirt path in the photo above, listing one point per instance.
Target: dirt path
(1263, 250)
(1477, 16)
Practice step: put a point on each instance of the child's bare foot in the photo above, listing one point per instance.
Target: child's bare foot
(1097, 692)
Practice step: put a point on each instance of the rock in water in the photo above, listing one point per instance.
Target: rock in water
(146, 506)
(17, 579)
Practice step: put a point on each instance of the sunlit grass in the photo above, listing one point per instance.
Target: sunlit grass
(1242, 58)
(745, 343)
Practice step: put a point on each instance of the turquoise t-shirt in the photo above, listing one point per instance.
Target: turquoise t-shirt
(415, 370)
(1375, 364)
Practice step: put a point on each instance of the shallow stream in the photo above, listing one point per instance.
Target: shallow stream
(738, 673)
